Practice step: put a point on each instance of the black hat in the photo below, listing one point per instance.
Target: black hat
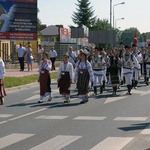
(148, 44)
(128, 47)
(134, 45)
(97, 48)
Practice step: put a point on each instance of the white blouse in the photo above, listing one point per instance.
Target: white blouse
(2, 69)
(65, 67)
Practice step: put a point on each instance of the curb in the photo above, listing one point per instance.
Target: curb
(21, 87)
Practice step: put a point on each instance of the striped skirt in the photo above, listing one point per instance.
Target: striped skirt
(83, 82)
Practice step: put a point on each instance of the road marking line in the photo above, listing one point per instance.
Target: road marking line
(89, 118)
(5, 115)
(113, 99)
(13, 138)
(113, 143)
(146, 131)
(51, 117)
(56, 143)
(130, 118)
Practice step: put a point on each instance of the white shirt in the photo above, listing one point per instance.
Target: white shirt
(21, 51)
(65, 67)
(52, 53)
(2, 69)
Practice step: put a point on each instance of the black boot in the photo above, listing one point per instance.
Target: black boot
(147, 80)
(104, 84)
(95, 90)
(129, 89)
(114, 90)
(135, 85)
(101, 89)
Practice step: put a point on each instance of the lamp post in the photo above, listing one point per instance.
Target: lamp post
(114, 12)
(117, 20)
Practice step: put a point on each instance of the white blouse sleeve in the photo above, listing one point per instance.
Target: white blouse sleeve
(59, 71)
(2, 69)
(71, 71)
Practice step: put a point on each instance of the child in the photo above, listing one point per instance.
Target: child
(83, 74)
(65, 77)
(44, 77)
(2, 88)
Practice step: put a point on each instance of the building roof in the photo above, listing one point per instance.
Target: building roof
(50, 30)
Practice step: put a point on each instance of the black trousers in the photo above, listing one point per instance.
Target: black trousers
(21, 61)
(53, 62)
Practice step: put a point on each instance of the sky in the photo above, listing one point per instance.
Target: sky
(135, 12)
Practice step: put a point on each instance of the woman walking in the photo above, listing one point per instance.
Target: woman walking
(114, 63)
(83, 75)
(40, 52)
(29, 58)
(65, 78)
(44, 77)
(2, 88)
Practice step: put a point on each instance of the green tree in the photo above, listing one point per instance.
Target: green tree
(127, 35)
(84, 14)
(101, 25)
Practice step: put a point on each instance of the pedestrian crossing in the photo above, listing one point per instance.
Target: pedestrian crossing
(61, 141)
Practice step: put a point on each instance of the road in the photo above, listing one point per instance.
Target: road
(104, 123)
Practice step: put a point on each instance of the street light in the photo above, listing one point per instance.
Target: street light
(117, 20)
(114, 13)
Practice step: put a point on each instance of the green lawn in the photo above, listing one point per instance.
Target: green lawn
(17, 81)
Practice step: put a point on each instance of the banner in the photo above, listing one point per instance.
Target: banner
(18, 19)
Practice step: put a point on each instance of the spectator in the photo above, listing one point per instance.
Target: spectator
(21, 52)
(53, 55)
(29, 58)
(39, 54)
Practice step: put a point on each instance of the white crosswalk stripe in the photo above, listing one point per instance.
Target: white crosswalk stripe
(56, 143)
(51, 117)
(12, 139)
(130, 118)
(89, 118)
(113, 143)
(5, 115)
(146, 131)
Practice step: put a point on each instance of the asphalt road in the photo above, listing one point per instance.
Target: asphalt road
(104, 123)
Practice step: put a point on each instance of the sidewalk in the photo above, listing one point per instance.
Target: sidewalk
(17, 73)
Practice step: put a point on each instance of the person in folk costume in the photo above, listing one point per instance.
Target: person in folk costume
(65, 78)
(147, 62)
(121, 51)
(2, 88)
(105, 57)
(97, 62)
(136, 70)
(114, 63)
(83, 74)
(127, 62)
(143, 65)
(44, 77)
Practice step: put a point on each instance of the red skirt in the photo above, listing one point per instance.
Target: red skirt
(45, 82)
(64, 83)
(2, 88)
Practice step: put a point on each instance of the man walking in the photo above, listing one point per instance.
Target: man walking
(53, 55)
(21, 52)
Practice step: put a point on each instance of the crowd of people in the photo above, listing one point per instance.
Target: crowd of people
(115, 67)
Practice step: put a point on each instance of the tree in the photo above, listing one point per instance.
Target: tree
(84, 14)
(101, 25)
(128, 34)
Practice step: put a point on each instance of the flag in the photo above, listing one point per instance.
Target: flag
(135, 39)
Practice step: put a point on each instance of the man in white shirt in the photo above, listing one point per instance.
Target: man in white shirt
(53, 55)
(21, 52)
(72, 56)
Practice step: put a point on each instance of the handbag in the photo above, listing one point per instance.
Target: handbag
(31, 57)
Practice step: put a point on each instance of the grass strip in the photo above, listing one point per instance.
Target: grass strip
(17, 81)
